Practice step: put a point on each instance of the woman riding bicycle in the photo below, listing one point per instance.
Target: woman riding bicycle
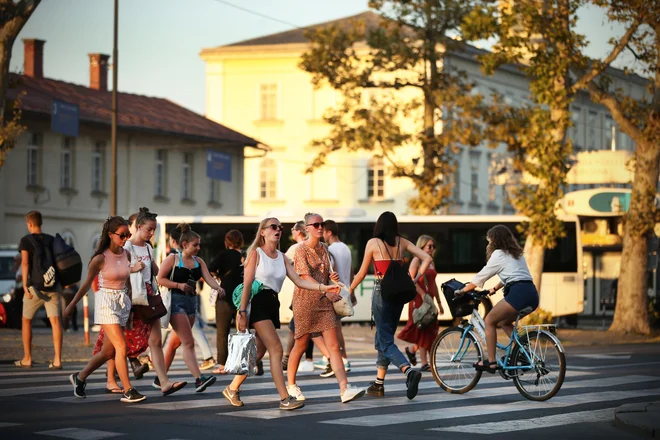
(505, 259)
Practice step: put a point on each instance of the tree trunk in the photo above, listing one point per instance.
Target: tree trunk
(631, 313)
(534, 255)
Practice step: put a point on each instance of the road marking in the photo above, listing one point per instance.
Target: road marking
(616, 356)
(9, 424)
(427, 398)
(602, 415)
(481, 410)
(600, 367)
(79, 433)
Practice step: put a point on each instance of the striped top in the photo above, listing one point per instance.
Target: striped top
(115, 271)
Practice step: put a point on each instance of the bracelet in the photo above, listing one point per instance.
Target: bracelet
(242, 311)
(320, 288)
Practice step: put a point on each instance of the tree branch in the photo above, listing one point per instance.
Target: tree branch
(614, 106)
(597, 68)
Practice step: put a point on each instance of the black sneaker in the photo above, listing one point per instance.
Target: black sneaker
(328, 372)
(156, 383)
(78, 386)
(376, 389)
(260, 369)
(132, 396)
(412, 383)
(204, 382)
(291, 403)
(139, 369)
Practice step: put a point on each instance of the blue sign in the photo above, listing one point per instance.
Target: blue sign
(218, 166)
(64, 118)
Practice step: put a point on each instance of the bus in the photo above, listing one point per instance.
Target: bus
(460, 253)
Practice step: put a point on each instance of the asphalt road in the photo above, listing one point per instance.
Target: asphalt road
(38, 403)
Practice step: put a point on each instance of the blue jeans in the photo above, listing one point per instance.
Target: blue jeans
(386, 317)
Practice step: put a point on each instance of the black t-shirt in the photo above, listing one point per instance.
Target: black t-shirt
(228, 266)
(27, 245)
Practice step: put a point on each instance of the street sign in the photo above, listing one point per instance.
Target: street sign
(218, 166)
(599, 202)
(64, 118)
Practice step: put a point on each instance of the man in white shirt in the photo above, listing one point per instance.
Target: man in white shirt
(342, 260)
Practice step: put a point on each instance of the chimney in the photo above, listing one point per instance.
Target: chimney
(33, 63)
(98, 71)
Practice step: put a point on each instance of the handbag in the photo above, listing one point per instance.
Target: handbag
(138, 288)
(426, 313)
(242, 354)
(396, 286)
(343, 307)
(155, 308)
(257, 286)
(166, 294)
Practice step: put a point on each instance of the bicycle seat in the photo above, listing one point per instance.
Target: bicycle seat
(524, 312)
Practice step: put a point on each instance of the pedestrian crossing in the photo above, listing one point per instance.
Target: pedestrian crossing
(494, 406)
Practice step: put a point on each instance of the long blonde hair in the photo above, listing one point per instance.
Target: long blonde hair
(258, 238)
(423, 240)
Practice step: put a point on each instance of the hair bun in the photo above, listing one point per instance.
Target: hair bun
(143, 209)
(184, 227)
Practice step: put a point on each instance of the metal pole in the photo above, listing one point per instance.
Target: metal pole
(115, 64)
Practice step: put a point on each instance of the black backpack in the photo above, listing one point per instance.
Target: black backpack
(396, 286)
(67, 262)
(42, 269)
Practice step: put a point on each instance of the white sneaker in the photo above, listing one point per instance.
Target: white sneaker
(322, 364)
(351, 393)
(294, 391)
(306, 367)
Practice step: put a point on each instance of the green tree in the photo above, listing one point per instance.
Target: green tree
(372, 65)
(13, 16)
(540, 38)
(640, 120)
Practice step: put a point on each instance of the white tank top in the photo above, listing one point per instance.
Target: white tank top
(271, 271)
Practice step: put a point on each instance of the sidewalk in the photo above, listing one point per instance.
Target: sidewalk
(642, 419)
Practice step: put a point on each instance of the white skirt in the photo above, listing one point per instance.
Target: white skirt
(111, 307)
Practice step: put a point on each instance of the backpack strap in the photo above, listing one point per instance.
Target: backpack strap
(386, 250)
(380, 250)
(398, 248)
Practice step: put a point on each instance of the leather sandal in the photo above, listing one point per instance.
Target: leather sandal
(488, 367)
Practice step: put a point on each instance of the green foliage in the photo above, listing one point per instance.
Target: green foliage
(372, 65)
(537, 317)
(10, 131)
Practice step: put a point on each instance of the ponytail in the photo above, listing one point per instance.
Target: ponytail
(111, 225)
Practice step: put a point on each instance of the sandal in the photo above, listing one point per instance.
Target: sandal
(412, 357)
(19, 364)
(425, 367)
(219, 370)
(114, 391)
(488, 367)
(174, 388)
(52, 366)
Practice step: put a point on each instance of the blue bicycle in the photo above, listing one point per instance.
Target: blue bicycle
(534, 358)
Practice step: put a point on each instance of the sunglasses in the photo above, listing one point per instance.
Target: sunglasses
(316, 225)
(123, 236)
(274, 227)
(431, 246)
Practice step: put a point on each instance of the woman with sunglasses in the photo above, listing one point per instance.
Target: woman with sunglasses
(422, 339)
(313, 310)
(112, 306)
(265, 263)
(185, 268)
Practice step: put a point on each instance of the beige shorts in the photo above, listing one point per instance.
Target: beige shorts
(50, 300)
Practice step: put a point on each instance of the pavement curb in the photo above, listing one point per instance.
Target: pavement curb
(641, 419)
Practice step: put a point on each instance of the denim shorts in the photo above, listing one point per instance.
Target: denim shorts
(522, 296)
(184, 304)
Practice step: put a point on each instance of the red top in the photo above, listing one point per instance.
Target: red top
(381, 266)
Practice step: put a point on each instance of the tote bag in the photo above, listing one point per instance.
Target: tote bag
(343, 307)
(138, 288)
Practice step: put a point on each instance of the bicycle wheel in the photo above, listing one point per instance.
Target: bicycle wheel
(452, 369)
(546, 378)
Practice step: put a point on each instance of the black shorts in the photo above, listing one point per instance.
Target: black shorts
(265, 306)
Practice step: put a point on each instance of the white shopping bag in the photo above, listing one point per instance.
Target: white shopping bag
(242, 354)
(344, 307)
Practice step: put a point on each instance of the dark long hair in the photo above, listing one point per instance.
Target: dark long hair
(110, 225)
(502, 238)
(145, 216)
(387, 228)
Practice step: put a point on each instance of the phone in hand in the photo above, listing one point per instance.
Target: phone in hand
(192, 283)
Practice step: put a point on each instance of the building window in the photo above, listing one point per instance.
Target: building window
(456, 194)
(592, 132)
(34, 159)
(611, 134)
(492, 186)
(577, 130)
(475, 156)
(161, 172)
(214, 191)
(98, 167)
(268, 102)
(376, 178)
(267, 179)
(66, 163)
(186, 176)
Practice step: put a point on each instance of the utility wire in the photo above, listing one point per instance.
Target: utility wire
(250, 11)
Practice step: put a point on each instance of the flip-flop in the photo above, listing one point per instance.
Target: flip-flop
(19, 364)
(52, 366)
(174, 388)
(219, 371)
(114, 390)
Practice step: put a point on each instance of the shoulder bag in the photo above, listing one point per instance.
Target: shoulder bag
(156, 308)
(396, 286)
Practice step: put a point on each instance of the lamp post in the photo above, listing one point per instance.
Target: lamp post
(115, 64)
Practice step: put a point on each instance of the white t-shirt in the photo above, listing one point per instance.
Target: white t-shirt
(291, 252)
(505, 266)
(341, 255)
(140, 253)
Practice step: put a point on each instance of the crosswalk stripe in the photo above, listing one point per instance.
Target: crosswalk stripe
(486, 409)
(9, 424)
(533, 423)
(441, 396)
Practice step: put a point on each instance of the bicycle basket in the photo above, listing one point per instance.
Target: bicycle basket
(458, 306)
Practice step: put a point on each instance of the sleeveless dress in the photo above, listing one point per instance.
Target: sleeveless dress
(410, 333)
(312, 311)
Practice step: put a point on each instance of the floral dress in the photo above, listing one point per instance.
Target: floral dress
(312, 311)
(410, 333)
